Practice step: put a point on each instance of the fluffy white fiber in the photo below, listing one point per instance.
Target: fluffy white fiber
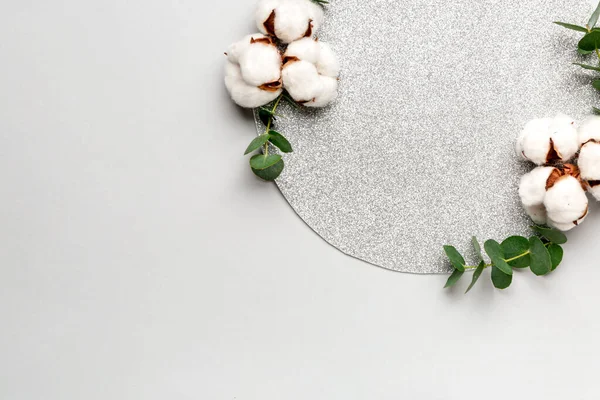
(589, 129)
(532, 189)
(288, 20)
(253, 64)
(548, 139)
(566, 203)
(310, 73)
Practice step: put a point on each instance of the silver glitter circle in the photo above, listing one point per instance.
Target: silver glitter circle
(417, 151)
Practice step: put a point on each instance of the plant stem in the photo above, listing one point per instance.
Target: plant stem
(509, 260)
(266, 152)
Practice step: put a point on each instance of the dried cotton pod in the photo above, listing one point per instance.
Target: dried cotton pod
(554, 196)
(253, 71)
(288, 20)
(548, 140)
(310, 71)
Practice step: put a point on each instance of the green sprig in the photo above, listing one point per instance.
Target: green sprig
(590, 43)
(541, 253)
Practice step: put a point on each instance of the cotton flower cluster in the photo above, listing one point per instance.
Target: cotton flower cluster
(285, 55)
(554, 193)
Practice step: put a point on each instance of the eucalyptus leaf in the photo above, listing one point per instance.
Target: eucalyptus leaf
(584, 52)
(477, 247)
(556, 255)
(594, 18)
(271, 173)
(552, 235)
(476, 275)
(541, 263)
(571, 26)
(596, 84)
(590, 41)
(516, 246)
(596, 110)
(265, 116)
(500, 279)
(280, 142)
(496, 254)
(454, 278)
(458, 262)
(262, 161)
(588, 67)
(257, 143)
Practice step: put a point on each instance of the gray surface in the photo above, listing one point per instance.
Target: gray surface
(133, 262)
(418, 150)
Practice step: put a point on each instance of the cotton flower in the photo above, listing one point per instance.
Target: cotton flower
(548, 140)
(589, 156)
(253, 71)
(310, 71)
(288, 20)
(554, 196)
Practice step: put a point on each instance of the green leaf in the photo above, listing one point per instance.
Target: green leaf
(556, 255)
(541, 263)
(265, 116)
(590, 41)
(257, 143)
(262, 161)
(280, 142)
(516, 246)
(596, 84)
(572, 27)
(476, 276)
(458, 262)
(500, 279)
(477, 247)
(594, 18)
(589, 67)
(584, 52)
(551, 234)
(494, 250)
(271, 173)
(596, 110)
(456, 275)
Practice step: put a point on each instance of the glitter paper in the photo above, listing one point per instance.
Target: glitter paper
(418, 150)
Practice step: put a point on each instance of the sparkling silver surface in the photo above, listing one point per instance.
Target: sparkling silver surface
(417, 152)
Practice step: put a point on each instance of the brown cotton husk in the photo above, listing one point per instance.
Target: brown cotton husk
(289, 59)
(269, 24)
(562, 171)
(309, 30)
(271, 86)
(552, 153)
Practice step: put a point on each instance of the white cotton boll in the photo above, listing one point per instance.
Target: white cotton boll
(245, 95)
(328, 63)
(533, 143)
(260, 63)
(288, 20)
(589, 129)
(328, 93)
(301, 80)
(589, 161)
(537, 213)
(238, 48)
(564, 136)
(306, 49)
(532, 189)
(566, 201)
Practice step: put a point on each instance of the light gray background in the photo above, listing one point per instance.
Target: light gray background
(140, 259)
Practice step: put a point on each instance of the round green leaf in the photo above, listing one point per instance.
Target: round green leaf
(280, 142)
(458, 262)
(265, 116)
(552, 235)
(500, 279)
(540, 257)
(516, 246)
(494, 251)
(271, 173)
(456, 275)
(257, 143)
(556, 255)
(262, 161)
(590, 42)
